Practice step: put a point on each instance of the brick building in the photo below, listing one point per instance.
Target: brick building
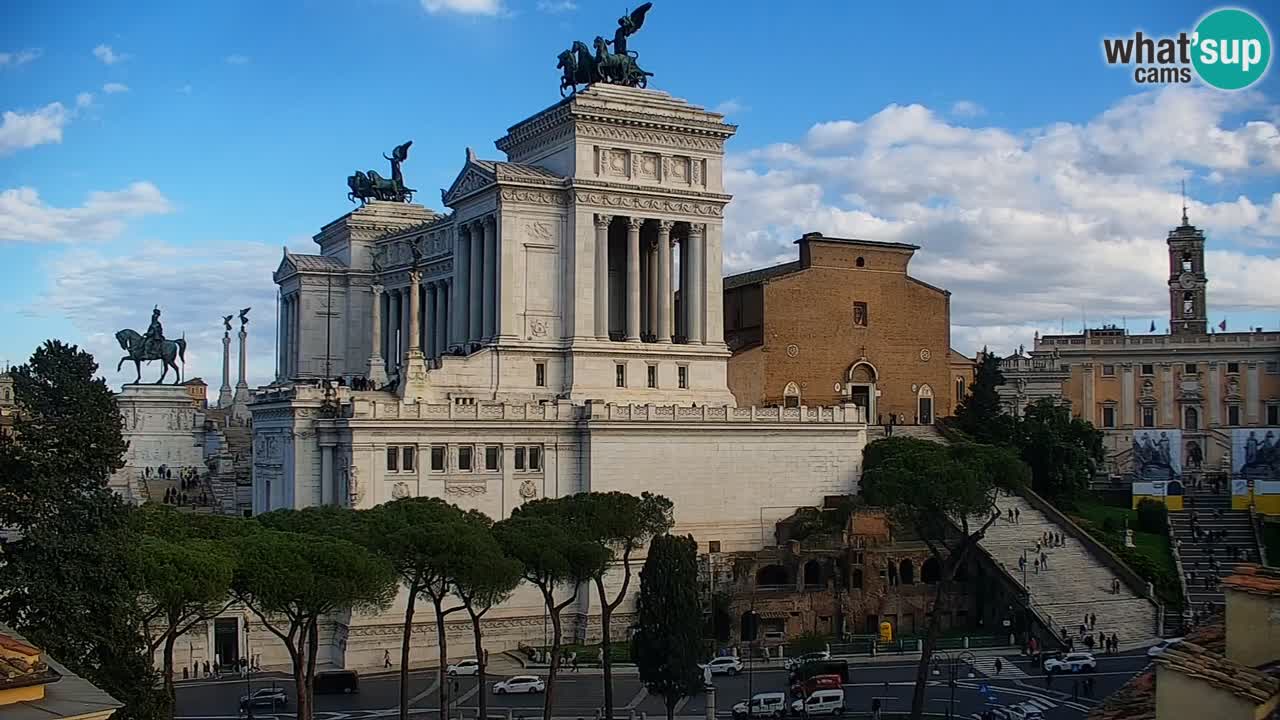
(844, 323)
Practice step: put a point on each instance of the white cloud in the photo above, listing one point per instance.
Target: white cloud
(84, 99)
(967, 109)
(464, 7)
(732, 106)
(101, 293)
(21, 57)
(1028, 227)
(25, 218)
(112, 88)
(108, 56)
(556, 6)
(19, 131)
(237, 59)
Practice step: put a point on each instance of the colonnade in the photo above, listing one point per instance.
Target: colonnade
(651, 279)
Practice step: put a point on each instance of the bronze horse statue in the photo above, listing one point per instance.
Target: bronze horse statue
(132, 343)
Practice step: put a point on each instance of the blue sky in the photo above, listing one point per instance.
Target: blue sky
(189, 142)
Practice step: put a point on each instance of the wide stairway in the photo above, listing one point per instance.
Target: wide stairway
(1075, 583)
(1213, 512)
(920, 432)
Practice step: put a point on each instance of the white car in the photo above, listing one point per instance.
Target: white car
(768, 704)
(1158, 649)
(795, 662)
(727, 665)
(1019, 712)
(1072, 662)
(464, 667)
(820, 702)
(520, 684)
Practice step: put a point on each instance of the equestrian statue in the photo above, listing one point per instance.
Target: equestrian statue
(618, 67)
(372, 186)
(152, 346)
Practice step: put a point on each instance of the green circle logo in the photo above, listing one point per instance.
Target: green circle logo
(1232, 49)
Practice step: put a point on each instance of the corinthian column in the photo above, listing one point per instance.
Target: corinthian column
(490, 277)
(664, 280)
(393, 328)
(633, 278)
(442, 315)
(413, 347)
(602, 276)
(377, 372)
(696, 297)
(429, 321)
(224, 393)
(475, 302)
(462, 286)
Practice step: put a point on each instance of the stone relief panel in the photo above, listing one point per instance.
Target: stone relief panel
(647, 167)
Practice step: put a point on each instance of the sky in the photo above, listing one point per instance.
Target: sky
(164, 153)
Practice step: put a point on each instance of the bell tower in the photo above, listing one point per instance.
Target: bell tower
(1188, 314)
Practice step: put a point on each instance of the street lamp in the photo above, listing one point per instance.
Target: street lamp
(248, 672)
(954, 664)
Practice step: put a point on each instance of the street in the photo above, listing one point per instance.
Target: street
(581, 694)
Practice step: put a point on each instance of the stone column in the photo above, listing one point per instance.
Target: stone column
(415, 322)
(461, 286)
(393, 329)
(1167, 418)
(602, 276)
(429, 320)
(651, 291)
(285, 321)
(377, 371)
(327, 494)
(224, 393)
(664, 280)
(442, 315)
(413, 374)
(1252, 393)
(490, 294)
(697, 286)
(241, 397)
(475, 300)
(295, 318)
(1127, 395)
(1215, 396)
(633, 278)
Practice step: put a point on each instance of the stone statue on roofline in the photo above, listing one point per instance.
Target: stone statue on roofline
(615, 67)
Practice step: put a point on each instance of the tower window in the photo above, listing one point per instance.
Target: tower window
(1148, 369)
(540, 374)
(682, 377)
(1189, 369)
(859, 314)
(1188, 304)
(1148, 417)
(1233, 414)
(860, 262)
(1108, 371)
(1233, 368)
(652, 376)
(1108, 417)
(620, 375)
(1186, 262)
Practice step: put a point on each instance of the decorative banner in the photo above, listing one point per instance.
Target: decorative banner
(1157, 455)
(1255, 453)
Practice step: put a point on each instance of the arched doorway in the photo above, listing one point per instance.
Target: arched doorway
(924, 405)
(929, 572)
(772, 576)
(791, 396)
(813, 574)
(861, 388)
(1192, 416)
(906, 573)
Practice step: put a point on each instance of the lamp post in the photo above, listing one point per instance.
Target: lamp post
(953, 664)
(248, 672)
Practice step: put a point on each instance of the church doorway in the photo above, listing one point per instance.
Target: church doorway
(924, 409)
(861, 388)
(226, 642)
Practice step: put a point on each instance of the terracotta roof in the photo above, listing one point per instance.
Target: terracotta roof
(1254, 579)
(18, 645)
(1136, 699)
(21, 665)
(1240, 680)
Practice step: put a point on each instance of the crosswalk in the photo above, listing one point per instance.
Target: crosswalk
(1040, 704)
(1008, 669)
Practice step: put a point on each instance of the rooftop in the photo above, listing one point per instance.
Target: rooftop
(1136, 699)
(1242, 681)
(320, 263)
(855, 241)
(66, 695)
(1254, 579)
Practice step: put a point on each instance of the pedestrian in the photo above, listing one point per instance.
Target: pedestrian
(1037, 564)
(1010, 514)
(875, 708)
(999, 666)
(1017, 516)
(575, 662)
(1088, 643)
(1044, 561)
(1048, 678)
(207, 673)
(1115, 643)
(386, 659)
(1102, 639)
(1071, 644)
(1093, 621)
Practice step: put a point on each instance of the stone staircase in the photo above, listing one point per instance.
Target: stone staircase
(921, 432)
(1075, 583)
(1213, 512)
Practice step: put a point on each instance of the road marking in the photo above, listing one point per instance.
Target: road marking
(987, 666)
(680, 705)
(639, 698)
(468, 694)
(435, 683)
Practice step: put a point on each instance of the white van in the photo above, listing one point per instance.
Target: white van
(769, 704)
(820, 702)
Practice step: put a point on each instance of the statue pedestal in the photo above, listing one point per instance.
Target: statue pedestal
(377, 373)
(163, 427)
(414, 384)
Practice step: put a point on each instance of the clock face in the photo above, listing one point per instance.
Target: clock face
(1187, 280)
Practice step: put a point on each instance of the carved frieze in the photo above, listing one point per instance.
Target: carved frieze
(466, 489)
(533, 197)
(653, 204)
(651, 137)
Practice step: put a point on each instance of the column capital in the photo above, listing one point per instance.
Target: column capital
(696, 230)
(634, 223)
(376, 289)
(415, 277)
(478, 228)
(602, 221)
(664, 226)
(489, 221)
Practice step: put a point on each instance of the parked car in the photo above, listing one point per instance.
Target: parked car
(726, 665)
(337, 681)
(464, 667)
(520, 684)
(769, 704)
(272, 697)
(795, 662)
(1158, 649)
(1072, 662)
(821, 702)
(1018, 712)
(820, 667)
(806, 687)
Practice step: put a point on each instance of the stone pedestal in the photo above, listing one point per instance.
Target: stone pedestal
(413, 377)
(163, 428)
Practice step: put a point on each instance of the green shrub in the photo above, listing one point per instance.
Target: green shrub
(808, 642)
(1153, 516)
(1109, 525)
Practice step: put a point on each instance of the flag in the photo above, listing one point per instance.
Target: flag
(1153, 326)
(1223, 325)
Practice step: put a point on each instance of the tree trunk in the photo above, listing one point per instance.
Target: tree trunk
(480, 658)
(404, 651)
(169, 691)
(606, 663)
(549, 700)
(443, 642)
(926, 652)
(309, 676)
(302, 699)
